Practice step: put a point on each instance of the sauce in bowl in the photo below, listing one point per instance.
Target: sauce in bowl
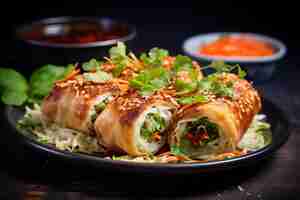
(74, 31)
(237, 46)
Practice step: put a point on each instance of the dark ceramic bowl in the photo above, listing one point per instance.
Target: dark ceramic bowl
(36, 50)
(259, 69)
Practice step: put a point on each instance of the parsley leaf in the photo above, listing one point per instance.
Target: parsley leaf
(186, 77)
(150, 80)
(13, 87)
(97, 77)
(183, 87)
(192, 99)
(221, 66)
(212, 85)
(155, 57)
(119, 58)
(91, 65)
(182, 63)
(42, 80)
(242, 73)
(224, 90)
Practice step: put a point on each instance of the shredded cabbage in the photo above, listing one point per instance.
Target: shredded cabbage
(258, 134)
(256, 137)
(62, 138)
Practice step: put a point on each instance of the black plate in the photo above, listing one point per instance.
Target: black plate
(280, 133)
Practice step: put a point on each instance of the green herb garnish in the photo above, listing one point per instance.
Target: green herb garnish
(13, 87)
(192, 99)
(182, 63)
(221, 66)
(15, 90)
(183, 87)
(211, 84)
(155, 57)
(150, 80)
(183, 66)
(119, 58)
(91, 65)
(97, 77)
(42, 80)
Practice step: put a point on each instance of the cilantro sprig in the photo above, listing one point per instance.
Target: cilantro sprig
(155, 57)
(192, 99)
(184, 65)
(98, 76)
(119, 58)
(16, 90)
(91, 65)
(221, 66)
(150, 80)
(212, 84)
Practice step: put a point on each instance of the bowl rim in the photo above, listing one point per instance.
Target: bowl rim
(66, 19)
(282, 49)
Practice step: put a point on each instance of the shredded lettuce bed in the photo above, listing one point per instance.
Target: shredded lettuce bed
(257, 136)
(62, 138)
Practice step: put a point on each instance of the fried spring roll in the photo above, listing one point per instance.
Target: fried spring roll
(134, 124)
(204, 130)
(76, 103)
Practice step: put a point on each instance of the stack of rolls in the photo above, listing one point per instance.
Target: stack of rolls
(124, 121)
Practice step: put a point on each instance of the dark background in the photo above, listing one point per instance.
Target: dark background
(166, 24)
(277, 19)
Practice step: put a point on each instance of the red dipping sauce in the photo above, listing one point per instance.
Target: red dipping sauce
(78, 32)
(239, 46)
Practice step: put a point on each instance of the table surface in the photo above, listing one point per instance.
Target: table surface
(25, 175)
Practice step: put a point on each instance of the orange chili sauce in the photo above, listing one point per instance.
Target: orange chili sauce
(237, 46)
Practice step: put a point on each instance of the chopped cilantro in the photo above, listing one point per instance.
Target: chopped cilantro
(155, 57)
(186, 77)
(192, 99)
(212, 85)
(150, 80)
(182, 63)
(91, 65)
(221, 66)
(98, 76)
(119, 58)
(183, 87)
